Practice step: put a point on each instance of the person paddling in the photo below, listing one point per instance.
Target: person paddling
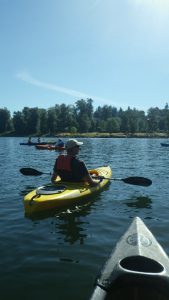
(70, 168)
(60, 143)
(30, 140)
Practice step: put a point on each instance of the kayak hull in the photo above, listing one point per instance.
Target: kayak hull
(63, 194)
(49, 147)
(138, 268)
(36, 143)
(165, 144)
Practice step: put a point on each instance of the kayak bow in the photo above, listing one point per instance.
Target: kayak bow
(165, 144)
(138, 268)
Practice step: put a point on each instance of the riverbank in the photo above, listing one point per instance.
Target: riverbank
(95, 135)
(114, 135)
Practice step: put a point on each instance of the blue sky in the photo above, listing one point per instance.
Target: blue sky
(60, 51)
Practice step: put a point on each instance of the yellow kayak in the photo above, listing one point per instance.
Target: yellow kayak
(62, 194)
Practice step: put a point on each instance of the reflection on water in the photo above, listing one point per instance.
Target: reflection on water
(67, 223)
(72, 228)
(139, 202)
(27, 189)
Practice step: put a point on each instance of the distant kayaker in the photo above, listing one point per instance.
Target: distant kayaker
(60, 143)
(29, 140)
(70, 168)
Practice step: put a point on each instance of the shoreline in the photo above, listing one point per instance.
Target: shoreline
(93, 135)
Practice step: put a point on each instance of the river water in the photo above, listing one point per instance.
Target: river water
(58, 255)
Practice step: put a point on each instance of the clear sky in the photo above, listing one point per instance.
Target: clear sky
(60, 51)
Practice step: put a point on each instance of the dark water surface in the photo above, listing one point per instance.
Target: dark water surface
(58, 255)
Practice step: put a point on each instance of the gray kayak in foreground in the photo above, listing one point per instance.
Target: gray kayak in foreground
(138, 268)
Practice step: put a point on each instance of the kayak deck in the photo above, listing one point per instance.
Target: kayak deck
(63, 193)
(138, 268)
(37, 143)
(165, 144)
(49, 147)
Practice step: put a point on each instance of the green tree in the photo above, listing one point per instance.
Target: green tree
(43, 118)
(84, 115)
(153, 119)
(52, 120)
(112, 125)
(66, 118)
(31, 120)
(4, 119)
(18, 122)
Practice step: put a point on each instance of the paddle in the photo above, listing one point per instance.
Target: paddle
(130, 180)
(32, 172)
(135, 180)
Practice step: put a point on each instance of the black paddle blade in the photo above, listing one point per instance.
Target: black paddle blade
(30, 172)
(137, 181)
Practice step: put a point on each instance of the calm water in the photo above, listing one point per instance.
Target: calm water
(58, 255)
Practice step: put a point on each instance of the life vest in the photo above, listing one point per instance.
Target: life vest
(64, 163)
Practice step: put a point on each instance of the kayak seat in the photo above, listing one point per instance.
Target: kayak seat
(50, 189)
(141, 264)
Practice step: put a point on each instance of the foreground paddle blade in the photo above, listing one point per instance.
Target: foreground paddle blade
(138, 181)
(30, 172)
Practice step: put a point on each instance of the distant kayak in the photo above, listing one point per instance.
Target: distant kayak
(138, 268)
(36, 143)
(49, 147)
(165, 144)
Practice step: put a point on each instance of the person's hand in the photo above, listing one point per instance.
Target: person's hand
(95, 182)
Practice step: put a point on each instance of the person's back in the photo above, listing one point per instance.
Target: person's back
(60, 143)
(70, 168)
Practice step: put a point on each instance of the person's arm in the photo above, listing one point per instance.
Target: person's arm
(54, 176)
(85, 175)
(90, 180)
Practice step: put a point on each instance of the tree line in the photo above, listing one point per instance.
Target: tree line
(81, 117)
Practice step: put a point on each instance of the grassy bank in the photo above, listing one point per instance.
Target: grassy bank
(96, 135)
(115, 135)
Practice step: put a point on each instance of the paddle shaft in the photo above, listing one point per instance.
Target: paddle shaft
(130, 180)
(135, 180)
